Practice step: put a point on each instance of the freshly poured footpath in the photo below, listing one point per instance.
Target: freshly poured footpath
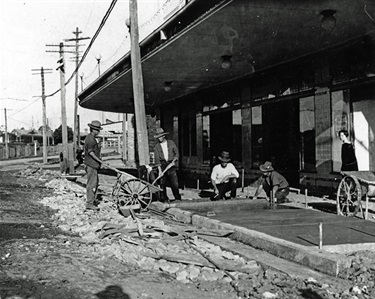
(309, 237)
(300, 226)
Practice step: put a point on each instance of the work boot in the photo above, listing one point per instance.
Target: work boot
(92, 207)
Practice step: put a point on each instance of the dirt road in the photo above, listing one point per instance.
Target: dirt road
(49, 248)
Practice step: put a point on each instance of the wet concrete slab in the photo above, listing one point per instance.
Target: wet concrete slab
(284, 231)
(300, 226)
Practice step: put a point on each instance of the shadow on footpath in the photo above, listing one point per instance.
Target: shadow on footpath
(11, 288)
(112, 292)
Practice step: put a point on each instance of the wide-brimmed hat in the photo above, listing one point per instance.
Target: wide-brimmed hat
(160, 132)
(267, 166)
(224, 156)
(95, 124)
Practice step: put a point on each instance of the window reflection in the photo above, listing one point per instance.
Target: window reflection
(189, 136)
(256, 136)
(206, 139)
(307, 132)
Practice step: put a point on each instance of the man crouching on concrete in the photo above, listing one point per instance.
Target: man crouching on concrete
(224, 178)
(274, 184)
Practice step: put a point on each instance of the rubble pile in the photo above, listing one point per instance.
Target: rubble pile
(145, 241)
(361, 274)
(37, 173)
(156, 242)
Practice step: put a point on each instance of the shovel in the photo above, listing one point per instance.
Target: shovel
(164, 171)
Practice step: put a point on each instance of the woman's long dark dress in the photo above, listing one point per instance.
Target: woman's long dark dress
(348, 159)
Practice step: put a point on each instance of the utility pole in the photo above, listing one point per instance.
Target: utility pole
(61, 67)
(124, 137)
(139, 103)
(76, 133)
(6, 135)
(63, 102)
(42, 72)
(98, 57)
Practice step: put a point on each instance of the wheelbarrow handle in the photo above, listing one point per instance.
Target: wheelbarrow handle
(114, 169)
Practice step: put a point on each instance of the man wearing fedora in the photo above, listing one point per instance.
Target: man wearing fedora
(166, 152)
(274, 184)
(93, 164)
(224, 177)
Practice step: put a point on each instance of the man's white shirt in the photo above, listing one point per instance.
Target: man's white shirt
(164, 147)
(218, 173)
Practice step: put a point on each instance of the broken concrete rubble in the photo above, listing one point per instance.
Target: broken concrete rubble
(126, 243)
(127, 248)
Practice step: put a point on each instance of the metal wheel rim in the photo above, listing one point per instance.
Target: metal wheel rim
(349, 196)
(134, 192)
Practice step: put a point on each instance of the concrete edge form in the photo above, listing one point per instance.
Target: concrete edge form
(349, 248)
(320, 260)
(268, 260)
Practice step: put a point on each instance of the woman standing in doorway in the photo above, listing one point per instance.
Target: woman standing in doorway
(348, 159)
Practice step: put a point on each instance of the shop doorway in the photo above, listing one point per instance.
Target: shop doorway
(225, 132)
(281, 142)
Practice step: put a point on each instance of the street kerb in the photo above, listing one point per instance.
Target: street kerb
(320, 260)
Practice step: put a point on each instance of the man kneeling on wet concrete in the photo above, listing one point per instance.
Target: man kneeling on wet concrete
(224, 178)
(273, 183)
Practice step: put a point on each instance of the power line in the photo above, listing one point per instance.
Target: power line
(88, 20)
(19, 121)
(24, 107)
(106, 16)
(14, 99)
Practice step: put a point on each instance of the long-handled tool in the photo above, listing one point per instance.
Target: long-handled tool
(165, 170)
(114, 169)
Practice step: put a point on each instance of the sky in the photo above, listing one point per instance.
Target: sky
(27, 27)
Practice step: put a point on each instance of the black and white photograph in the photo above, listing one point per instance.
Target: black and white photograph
(187, 149)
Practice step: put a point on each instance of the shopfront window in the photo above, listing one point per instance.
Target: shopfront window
(256, 136)
(206, 139)
(189, 136)
(225, 134)
(307, 133)
(340, 119)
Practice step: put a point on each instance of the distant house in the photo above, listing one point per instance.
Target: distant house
(29, 136)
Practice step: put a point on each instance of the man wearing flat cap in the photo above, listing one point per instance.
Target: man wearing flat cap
(224, 177)
(93, 164)
(166, 154)
(274, 184)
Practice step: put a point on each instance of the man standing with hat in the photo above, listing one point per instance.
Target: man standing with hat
(93, 164)
(166, 154)
(274, 184)
(224, 177)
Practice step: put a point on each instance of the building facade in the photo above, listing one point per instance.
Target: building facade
(289, 115)
(264, 80)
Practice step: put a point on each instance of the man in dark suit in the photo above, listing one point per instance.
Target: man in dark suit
(166, 152)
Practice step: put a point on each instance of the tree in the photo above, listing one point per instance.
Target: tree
(47, 128)
(57, 135)
(32, 132)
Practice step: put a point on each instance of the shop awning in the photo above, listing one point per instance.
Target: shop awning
(248, 36)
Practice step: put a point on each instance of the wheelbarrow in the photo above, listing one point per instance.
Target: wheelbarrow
(355, 187)
(133, 193)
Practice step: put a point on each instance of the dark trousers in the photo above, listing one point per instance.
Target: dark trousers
(92, 184)
(280, 194)
(171, 177)
(151, 178)
(231, 186)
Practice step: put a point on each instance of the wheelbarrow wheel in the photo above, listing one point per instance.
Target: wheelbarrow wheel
(349, 197)
(133, 194)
